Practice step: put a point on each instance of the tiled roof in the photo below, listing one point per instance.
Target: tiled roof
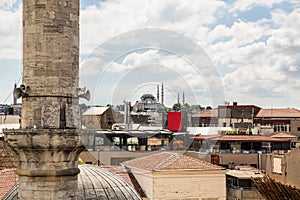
(8, 178)
(95, 111)
(283, 135)
(7, 158)
(169, 161)
(243, 138)
(278, 112)
(207, 113)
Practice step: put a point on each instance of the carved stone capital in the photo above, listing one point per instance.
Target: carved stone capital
(45, 152)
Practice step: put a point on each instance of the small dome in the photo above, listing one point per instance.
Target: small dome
(96, 183)
(103, 185)
(147, 96)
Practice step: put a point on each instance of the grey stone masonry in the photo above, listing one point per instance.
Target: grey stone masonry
(50, 63)
(48, 162)
(48, 143)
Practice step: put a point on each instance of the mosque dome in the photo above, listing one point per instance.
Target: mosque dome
(96, 183)
(147, 96)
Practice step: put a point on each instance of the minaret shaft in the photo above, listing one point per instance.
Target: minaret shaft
(48, 143)
(50, 63)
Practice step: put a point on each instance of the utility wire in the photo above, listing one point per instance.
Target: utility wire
(12, 90)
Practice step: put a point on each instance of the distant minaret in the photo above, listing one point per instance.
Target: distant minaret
(162, 93)
(157, 93)
(14, 98)
(183, 99)
(178, 98)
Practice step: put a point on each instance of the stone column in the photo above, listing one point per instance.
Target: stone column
(48, 142)
(50, 63)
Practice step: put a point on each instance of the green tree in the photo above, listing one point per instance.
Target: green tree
(186, 106)
(197, 107)
(168, 109)
(208, 108)
(176, 107)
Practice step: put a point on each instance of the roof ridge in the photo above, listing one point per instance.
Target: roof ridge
(166, 162)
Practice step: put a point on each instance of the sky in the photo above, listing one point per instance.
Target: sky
(212, 51)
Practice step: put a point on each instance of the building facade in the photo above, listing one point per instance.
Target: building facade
(176, 176)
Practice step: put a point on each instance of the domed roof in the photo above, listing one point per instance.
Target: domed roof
(147, 96)
(96, 183)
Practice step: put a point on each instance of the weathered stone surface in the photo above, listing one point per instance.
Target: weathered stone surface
(48, 143)
(50, 63)
(45, 149)
(47, 162)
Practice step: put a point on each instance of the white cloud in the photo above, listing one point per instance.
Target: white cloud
(242, 5)
(7, 4)
(10, 33)
(256, 58)
(190, 17)
(90, 66)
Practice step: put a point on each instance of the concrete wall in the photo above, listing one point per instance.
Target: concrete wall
(145, 179)
(290, 165)
(195, 185)
(293, 166)
(294, 127)
(113, 157)
(91, 121)
(238, 159)
(236, 194)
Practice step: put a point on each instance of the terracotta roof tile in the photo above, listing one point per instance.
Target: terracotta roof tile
(278, 112)
(207, 113)
(283, 135)
(244, 138)
(169, 161)
(8, 178)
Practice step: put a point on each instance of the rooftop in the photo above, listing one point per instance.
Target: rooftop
(283, 135)
(95, 111)
(97, 183)
(207, 113)
(169, 161)
(245, 172)
(278, 112)
(243, 138)
(8, 178)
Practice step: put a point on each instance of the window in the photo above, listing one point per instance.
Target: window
(277, 165)
(281, 127)
(298, 128)
(99, 141)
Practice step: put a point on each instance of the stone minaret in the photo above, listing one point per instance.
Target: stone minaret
(48, 142)
(157, 93)
(162, 93)
(14, 98)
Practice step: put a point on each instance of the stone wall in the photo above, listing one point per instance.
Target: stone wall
(194, 185)
(50, 63)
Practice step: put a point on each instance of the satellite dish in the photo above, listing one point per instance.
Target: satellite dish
(18, 93)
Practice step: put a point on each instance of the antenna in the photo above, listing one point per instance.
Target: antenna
(162, 93)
